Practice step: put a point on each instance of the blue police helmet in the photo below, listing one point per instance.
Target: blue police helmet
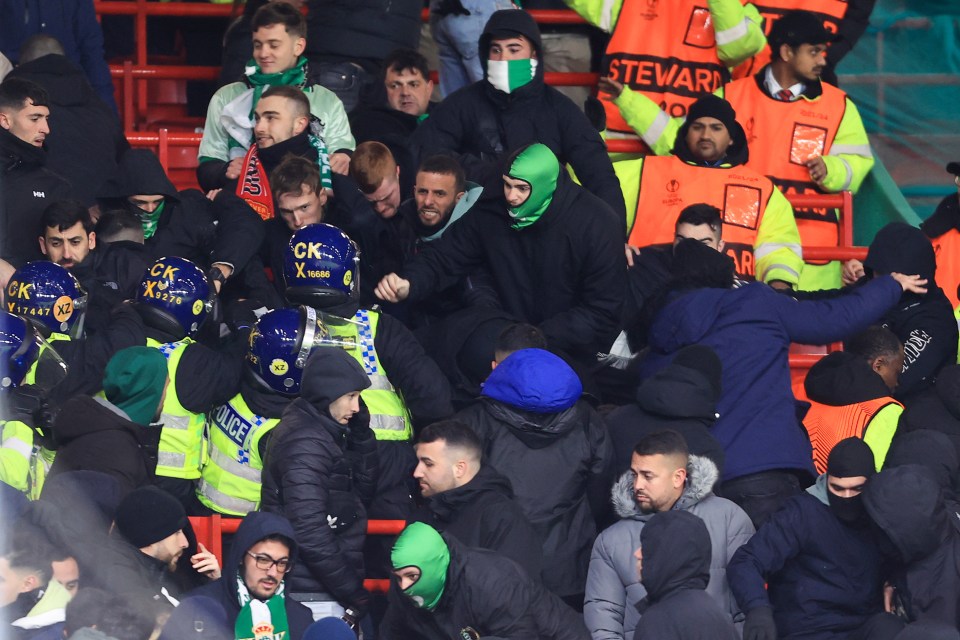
(46, 293)
(175, 296)
(280, 342)
(18, 349)
(321, 267)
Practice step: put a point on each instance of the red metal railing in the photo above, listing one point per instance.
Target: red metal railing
(210, 529)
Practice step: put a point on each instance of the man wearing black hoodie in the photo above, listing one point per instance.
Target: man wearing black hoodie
(925, 322)
(320, 470)
(219, 230)
(484, 121)
(673, 563)
(263, 551)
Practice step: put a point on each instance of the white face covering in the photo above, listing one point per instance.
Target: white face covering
(510, 75)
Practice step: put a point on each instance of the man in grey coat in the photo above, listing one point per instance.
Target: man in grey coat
(662, 477)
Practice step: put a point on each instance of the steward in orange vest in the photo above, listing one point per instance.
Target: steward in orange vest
(672, 51)
(943, 229)
(849, 400)
(847, 19)
(758, 232)
(806, 136)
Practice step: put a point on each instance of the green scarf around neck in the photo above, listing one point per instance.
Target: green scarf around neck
(150, 220)
(537, 166)
(295, 76)
(422, 547)
(258, 619)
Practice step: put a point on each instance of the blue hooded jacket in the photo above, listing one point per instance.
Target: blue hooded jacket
(534, 380)
(751, 329)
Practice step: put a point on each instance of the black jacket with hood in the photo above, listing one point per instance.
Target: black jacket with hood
(908, 505)
(677, 398)
(93, 434)
(191, 226)
(483, 513)
(566, 273)
(488, 594)
(86, 138)
(319, 474)
(256, 526)
(481, 124)
(27, 187)
(675, 572)
(925, 323)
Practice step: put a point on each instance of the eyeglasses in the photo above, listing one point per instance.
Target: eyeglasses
(264, 563)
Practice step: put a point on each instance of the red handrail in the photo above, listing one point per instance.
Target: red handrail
(210, 529)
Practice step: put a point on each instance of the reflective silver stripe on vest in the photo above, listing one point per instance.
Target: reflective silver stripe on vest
(21, 447)
(170, 459)
(180, 423)
(386, 423)
(224, 501)
(234, 468)
(380, 382)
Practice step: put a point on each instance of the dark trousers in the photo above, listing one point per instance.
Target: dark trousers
(761, 494)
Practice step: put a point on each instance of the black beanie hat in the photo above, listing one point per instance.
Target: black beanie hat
(850, 458)
(149, 515)
(711, 106)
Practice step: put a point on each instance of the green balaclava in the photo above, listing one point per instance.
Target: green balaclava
(537, 166)
(134, 380)
(422, 547)
(150, 220)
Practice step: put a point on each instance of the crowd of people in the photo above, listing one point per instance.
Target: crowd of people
(566, 371)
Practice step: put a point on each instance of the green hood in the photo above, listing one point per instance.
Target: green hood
(134, 382)
(422, 547)
(537, 166)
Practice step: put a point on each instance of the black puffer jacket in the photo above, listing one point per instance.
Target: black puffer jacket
(318, 474)
(566, 273)
(111, 273)
(27, 187)
(191, 226)
(481, 124)
(256, 526)
(676, 569)
(484, 513)
(86, 138)
(488, 594)
(925, 324)
(907, 504)
(558, 461)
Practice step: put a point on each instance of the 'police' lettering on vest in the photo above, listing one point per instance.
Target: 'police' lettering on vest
(232, 424)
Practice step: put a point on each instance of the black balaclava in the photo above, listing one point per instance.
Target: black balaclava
(850, 458)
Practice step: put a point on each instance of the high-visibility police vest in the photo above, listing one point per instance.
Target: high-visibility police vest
(668, 184)
(181, 451)
(828, 425)
(230, 478)
(781, 137)
(667, 51)
(389, 417)
(831, 12)
(16, 450)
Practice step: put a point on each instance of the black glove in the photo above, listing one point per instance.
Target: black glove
(759, 625)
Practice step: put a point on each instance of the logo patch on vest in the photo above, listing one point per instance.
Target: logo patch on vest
(741, 206)
(700, 32)
(807, 142)
(232, 424)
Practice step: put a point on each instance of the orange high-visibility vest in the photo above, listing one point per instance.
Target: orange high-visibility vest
(782, 136)
(668, 184)
(947, 249)
(665, 50)
(830, 11)
(828, 425)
